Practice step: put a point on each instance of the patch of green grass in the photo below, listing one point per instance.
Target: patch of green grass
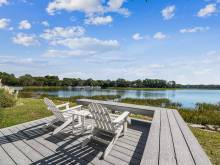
(210, 141)
(25, 110)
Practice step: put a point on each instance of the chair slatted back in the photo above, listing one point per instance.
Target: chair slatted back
(101, 117)
(49, 103)
(52, 107)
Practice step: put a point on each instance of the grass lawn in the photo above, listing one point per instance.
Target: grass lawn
(210, 142)
(25, 110)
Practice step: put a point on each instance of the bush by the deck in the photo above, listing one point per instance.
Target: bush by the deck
(6, 100)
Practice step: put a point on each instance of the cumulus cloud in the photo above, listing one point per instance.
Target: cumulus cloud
(25, 39)
(99, 20)
(208, 10)
(88, 43)
(4, 23)
(194, 29)
(82, 46)
(168, 12)
(67, 53)
(159, 36)
(3, 2)
(87, 6)
(24, 24)
(137, 37)
(71, 41)
(45, 23)
(116, 6)
(63, 32)
(19, 61)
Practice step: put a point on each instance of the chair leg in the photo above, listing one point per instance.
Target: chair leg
(64, 125)
(86, 141)
(125, 127)
(111, 144)
(51, 123)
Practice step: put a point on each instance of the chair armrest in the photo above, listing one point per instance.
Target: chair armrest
(72, 108)
(122, 117)
(63, 105)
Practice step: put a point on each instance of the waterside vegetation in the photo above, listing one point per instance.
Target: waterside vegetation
(203, 113)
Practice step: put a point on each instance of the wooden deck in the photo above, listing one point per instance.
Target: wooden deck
(32, 143)
(169, 142)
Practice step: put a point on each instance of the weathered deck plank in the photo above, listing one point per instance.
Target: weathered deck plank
(197, 152)
(5, 158)
(167, 154)
(21, 145)
(183, 154)
(152, 148)
(14, 153)
(36, 144)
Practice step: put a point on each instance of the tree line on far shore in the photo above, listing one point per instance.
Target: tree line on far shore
(28, 80)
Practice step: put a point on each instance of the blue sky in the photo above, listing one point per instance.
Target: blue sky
(109, 39)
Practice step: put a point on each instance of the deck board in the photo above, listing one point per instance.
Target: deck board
(32, 143)
(183, 154)
(17, 155)
(167, 154)
(168, 142)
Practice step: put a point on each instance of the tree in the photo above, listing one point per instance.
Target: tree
(67, 82)
(26, 80)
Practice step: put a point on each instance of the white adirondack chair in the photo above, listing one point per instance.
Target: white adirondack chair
(106, 128)
(64, 116)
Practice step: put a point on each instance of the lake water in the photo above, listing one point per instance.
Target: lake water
(187, 97)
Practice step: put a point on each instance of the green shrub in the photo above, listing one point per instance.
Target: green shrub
(152, 102)
(6, 100)
(203, 113)
(25, 94)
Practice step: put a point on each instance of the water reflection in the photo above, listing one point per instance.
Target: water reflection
(188, 98)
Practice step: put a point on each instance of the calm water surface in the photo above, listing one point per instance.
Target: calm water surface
(187, 97)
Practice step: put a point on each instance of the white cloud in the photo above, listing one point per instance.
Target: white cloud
(116, 6)
(194, 29)
(87, 43)
(159, 36)
(83, 46)
(45, 23)
(156, 66)
(202, 72)
(63, 32)
(87, 6)
(20, 61)
(208, 10)
(3, 2)
(99, 20)
(76, 44)
(25, 39)
(24, 24)
(168, 12)
(4, 22)
(137, 37)
(67, 53)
